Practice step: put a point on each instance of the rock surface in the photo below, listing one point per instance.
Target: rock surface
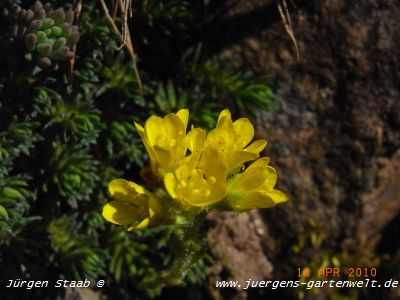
(334, 136)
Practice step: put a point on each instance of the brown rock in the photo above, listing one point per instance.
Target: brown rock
(334, 135)
(235, 240)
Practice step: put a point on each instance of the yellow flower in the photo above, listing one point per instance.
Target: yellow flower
(232, 139)
(195, 139)
(132, 205)
(254, 188)
(164, 139)
(199, 180)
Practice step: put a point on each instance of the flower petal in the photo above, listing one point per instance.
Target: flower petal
(224, 114)
(129, 192)
(174, 129)
(244, 131)
(247, 182)
(164, 158)
(154, 128)
(260, 163)
(259, 175)
(212, 164)
(121, 187)
(270, 179)
(257, 146)
(141, 225)
(278, 196)
(196, 137)
(211, 196)
(156, 209)
(118, 189)
(146, 144)
(238, 158)
(170, 184)
(183, 114)
(120, 213)
(255, 200)
(222, 139)
(140, 129)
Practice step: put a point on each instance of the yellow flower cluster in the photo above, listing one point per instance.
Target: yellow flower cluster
(197, 170)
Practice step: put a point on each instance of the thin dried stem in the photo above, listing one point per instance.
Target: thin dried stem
(287, 23)
(115, 9)
(125, 7)
(77, 12)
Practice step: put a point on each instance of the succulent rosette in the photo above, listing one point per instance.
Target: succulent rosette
(48, 34)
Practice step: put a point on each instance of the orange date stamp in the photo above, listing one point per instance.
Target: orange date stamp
(336, 272)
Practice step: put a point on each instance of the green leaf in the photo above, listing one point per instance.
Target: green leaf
(3, 212)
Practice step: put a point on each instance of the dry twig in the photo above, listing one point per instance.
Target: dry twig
(287, 23)
(77, 12)
(125, 7)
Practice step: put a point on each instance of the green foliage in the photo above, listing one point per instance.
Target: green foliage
(15, 142)
(14, 197)
(239, 89)
(64, 136)
(75, 253)
(78, 120)
(147, 256)
(73, 171)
